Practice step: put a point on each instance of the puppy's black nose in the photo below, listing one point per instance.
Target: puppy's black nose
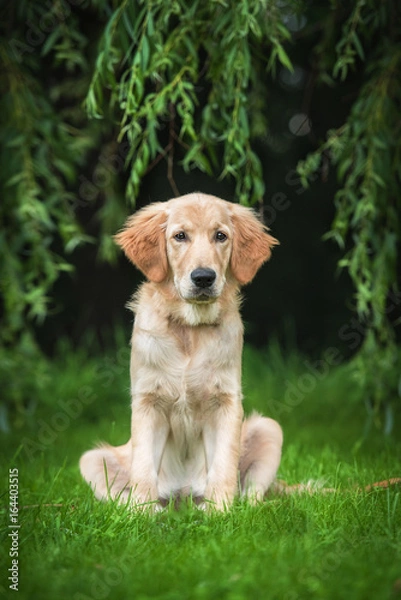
(203, 278)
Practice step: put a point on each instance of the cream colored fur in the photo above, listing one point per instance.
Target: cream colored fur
(188, 435)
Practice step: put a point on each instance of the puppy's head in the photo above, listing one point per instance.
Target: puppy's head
(198, 243)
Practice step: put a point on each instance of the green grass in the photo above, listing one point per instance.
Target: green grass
(341, 545)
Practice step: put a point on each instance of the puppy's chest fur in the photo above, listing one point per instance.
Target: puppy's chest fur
(186, 375)
(184, 371)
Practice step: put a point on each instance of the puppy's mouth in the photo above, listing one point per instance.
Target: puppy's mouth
(202, 296)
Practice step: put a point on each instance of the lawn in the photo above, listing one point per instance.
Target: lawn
(345, 544)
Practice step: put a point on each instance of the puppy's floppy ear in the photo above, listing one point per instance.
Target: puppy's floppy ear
(251, 244)
(144, 243)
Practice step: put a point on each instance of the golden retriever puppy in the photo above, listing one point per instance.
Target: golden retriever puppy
(188, 435)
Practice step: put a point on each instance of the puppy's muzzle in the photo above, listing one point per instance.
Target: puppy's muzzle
(203, 278)
(203, 289)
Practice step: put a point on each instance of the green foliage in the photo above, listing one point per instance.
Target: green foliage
(191, 66)
(24, 375)
(366, 151)
(43, 144)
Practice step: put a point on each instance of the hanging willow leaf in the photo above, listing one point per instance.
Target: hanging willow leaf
(367, 152)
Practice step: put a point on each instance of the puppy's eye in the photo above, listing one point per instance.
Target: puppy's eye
(220, 236)
(180, 236)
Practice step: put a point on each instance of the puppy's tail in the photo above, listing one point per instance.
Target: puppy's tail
(312, 486)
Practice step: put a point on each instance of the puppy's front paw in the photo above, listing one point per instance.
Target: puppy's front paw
(253, 496)
(145, 497)
(219, 499)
